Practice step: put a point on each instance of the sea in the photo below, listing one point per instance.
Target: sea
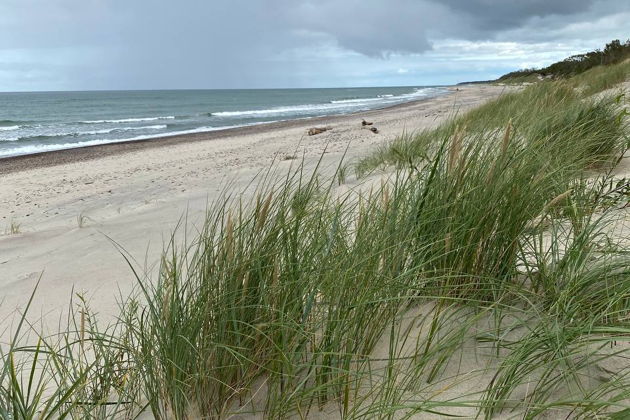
(34, 122)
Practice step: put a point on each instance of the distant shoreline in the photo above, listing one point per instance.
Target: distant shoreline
(85, 153)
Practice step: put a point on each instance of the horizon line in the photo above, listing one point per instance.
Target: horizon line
(200, 89)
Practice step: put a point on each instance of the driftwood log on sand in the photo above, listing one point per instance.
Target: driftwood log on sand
(372, 129)
(317, 130)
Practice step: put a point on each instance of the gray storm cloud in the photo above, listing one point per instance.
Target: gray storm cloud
(492, 15)
(229, 43)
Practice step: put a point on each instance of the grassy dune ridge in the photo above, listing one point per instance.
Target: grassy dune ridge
(483, 276)
(614, 52)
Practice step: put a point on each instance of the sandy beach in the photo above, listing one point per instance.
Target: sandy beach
(74, 209)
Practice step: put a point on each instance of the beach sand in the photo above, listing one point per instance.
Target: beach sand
(77, 208)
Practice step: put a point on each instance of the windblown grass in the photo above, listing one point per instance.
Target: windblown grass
(602, 78)
(490, 241)
(563, 114)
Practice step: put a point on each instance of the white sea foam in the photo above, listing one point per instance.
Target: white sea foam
(111, 130)
(9, 128)
(295, 110)
(272, 111)
(35, 135)
(341, 105)
(128, 120)
(10, 138)
(380, 98)
(356, 101)
(39, 148)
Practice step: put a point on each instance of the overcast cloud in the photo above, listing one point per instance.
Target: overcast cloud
(149, 44)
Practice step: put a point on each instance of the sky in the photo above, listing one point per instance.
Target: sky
(188, 44)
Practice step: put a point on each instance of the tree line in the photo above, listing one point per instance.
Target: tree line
(614, 52)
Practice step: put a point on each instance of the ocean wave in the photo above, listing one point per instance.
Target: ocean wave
(128, 120)
(356, 101)
(10, 122)
(11, 138)
(9, 127)
(339, 105)
(44, 136)
(361, 100)
(40, 148)
(112, 130)
(285, 110)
